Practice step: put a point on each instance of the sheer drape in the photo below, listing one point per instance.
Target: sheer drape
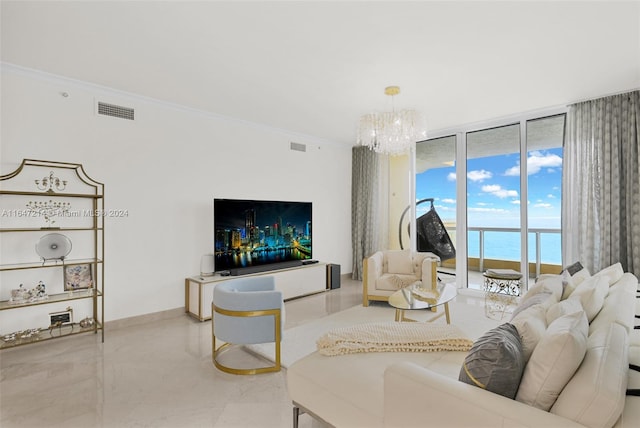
(601, 183)
(365, 212)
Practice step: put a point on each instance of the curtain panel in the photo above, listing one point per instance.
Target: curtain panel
(364, 203)
(601, 183)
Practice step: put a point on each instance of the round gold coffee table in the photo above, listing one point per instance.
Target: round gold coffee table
(411, 298)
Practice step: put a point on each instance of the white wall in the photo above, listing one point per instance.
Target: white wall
(165, 168)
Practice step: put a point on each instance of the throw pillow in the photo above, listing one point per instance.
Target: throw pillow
(495, 361)
(531, 325)
(567, 285)
(613, 273)
(595, 395)
(574, 268)
(591, 294)
(548, 282)
(554, 361)
(545, 298)
(577, 272)
(561, 308)
(399, 261)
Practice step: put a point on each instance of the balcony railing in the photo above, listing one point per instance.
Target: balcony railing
(511, 244)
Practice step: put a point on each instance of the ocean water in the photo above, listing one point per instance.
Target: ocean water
(506, 246)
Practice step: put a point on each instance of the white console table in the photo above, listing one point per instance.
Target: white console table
(293, 282)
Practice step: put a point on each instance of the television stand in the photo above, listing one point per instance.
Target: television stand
(294, 282)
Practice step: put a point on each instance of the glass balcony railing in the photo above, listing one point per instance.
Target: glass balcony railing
(494, 247)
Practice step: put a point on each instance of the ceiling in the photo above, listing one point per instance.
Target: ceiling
(314, 67)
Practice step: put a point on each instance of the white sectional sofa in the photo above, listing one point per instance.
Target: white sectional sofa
(422, 389)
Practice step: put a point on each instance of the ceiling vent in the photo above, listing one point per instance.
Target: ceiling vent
(113, 110)
(298, 147)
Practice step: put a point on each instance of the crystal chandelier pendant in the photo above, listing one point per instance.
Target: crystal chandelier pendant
(391, 133)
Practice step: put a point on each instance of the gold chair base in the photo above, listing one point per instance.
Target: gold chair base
(257, 313)
(232, 370)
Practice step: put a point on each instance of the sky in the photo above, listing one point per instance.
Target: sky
(493, 190)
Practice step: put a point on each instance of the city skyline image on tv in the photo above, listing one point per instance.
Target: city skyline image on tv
(254, 233)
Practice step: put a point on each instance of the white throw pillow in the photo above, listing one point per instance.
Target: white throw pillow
(580, 276)
(595, 395)
(591, 294)
(567, 285)
(399, 261)
(547, 282)
(562, 308)
(531, 325)
(554, 361)
(613, 273)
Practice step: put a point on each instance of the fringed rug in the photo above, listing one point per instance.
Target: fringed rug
(393, 336)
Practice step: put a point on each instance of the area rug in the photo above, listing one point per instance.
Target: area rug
(301, 340)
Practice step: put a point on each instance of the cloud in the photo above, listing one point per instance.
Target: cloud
(543, 205)
(479, 176)
(449, 201)
(513, 171)
(550, 196)
(487, 210)
(497, 190)
(535, 162)
(451, 176)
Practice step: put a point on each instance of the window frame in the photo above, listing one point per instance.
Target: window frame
(460, 132)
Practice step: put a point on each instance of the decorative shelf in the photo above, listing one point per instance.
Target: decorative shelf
(48, 333)
(50, 195)
(53, 298)
(47, 229)
(48, 264)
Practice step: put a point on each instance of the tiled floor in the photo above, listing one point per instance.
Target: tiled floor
(157, 374)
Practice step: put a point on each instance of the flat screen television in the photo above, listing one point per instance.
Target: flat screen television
(253, 235)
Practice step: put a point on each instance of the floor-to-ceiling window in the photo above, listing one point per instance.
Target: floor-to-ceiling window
(436, 182)
(493, 199)
(498, 191)
(544, 183)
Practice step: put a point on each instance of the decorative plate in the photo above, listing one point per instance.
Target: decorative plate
(53, 246)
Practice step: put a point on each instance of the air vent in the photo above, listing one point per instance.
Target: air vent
(298, 147)
(115, 111)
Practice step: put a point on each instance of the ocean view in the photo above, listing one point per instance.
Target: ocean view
(506, 246)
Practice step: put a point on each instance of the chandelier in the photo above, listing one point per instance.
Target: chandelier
(391, 133)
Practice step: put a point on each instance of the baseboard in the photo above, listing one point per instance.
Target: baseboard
(143, 319)
(172, 313)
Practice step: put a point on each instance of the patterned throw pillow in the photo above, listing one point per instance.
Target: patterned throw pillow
(495, 361)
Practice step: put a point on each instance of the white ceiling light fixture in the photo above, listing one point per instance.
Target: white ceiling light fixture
(391, 133)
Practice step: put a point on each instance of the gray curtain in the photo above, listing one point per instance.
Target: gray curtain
(364, 206)
(601, 183)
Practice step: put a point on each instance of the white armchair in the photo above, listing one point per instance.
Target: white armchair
(387, 271)
(247, 311)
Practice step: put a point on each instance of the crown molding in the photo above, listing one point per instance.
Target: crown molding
(108, 91)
